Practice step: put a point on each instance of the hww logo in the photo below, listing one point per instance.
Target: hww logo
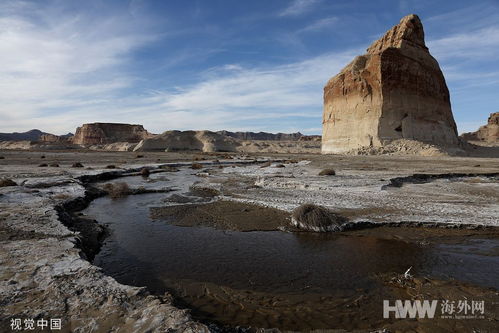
(411, 308)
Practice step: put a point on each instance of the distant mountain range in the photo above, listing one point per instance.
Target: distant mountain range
(33, 135)
(262, 136)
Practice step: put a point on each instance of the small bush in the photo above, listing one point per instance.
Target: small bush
(117, 190)
(168, 168)
(145, 172)
(77, 165)
(279, 165)
(54, 165)
(2, 157)
(43, 165)
(110, 166)
(327, 172)
(205, 192)
(43, 156)
(4, 182)
(265, 165)
(139, 156)
(316, 218)
(196, 166)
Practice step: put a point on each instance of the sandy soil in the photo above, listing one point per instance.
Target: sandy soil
(227, 215)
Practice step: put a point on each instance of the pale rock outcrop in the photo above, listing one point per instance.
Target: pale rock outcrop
(394, 91)
(103, 133)
(263, 136)
(204, 141)
(487, 133)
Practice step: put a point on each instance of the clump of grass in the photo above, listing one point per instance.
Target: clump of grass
(117, 190)
(139, 156)
(205, 192)
(110, 166)
(43, 165)
(145, 172)
(77, 165)
(2, 157)
(169, 168)
(43, 156)
(4, 182)
(280, 165)
(265, 165)
(317, 218)
(54, 165)
(196, 166)
(327, 172)
(62, 196)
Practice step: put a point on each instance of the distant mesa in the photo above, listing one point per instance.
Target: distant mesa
(205, 141)
(129, 137)
(104, 133)
(487, 133)
(394, 91)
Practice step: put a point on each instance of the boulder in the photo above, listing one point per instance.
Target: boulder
(487, 133)
(104, 133)
(394, 91)
(204, 141)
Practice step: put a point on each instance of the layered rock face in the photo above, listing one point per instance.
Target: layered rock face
(103, 133)
(394, 91)
(204, 141)
(488, 133)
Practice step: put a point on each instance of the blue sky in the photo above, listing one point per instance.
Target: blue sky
(236, 65)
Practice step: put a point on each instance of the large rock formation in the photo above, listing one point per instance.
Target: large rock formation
(487, 133)
(394, 91)
(204, 141)
(103, 133)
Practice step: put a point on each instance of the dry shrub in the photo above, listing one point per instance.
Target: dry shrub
(110, 166)
(54, 165)
(43, 156)
(4, 182)
(169, 168)
(327, 172)
(317, 218)
(280, 165)
(2, 157)
(265, 165)
(196, 166)
(117, 190)
(205, 192)
(77, 165)
(43, 165)
(145, 172)
(62, 196)
(139, 156)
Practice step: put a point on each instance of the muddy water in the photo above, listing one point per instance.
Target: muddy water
(276, 279)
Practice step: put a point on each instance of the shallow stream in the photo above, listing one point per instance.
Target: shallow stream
(270, 279)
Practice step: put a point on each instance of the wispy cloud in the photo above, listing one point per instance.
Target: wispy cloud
(320, 25)
(299, 7)
(479, 44)
(51, 62)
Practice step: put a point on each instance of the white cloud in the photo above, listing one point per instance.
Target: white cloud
(50, 61)
(320, 24)
(298, 7)
(476, 45)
